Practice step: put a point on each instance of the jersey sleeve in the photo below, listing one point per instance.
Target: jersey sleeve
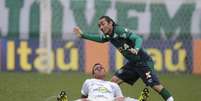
(85, 89)
(118, 92)
(95, 37)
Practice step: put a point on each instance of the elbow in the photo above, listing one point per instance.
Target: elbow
(102, 41)
(84, 96)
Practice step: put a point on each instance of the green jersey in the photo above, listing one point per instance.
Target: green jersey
(123, 39)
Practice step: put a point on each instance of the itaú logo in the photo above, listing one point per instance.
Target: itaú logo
(29, 57)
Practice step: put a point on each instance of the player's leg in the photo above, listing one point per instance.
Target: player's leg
(163, 92)
(116, 79)
(125, 74)
(150, 78)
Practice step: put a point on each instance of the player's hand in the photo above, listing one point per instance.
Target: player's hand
(134, 50)
(78, 31)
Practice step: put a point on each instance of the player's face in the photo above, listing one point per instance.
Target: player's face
(104, 26)
(99, 71)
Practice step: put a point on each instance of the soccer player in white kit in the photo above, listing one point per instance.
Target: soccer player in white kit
(98, 89)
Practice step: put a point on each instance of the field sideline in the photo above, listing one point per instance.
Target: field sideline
(41, 87)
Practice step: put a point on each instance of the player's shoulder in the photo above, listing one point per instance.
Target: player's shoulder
(91, 80)
(87, 81)
(112, 83)
(121, 29)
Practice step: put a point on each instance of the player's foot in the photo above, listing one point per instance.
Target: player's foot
(144, 95)
(62, 96)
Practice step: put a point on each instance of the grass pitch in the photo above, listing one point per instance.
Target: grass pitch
(42, 87)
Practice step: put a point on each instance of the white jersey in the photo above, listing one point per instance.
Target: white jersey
(101, 89)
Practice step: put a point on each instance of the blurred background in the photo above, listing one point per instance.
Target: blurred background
(40, 55)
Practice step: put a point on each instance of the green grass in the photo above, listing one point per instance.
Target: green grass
(40, 87)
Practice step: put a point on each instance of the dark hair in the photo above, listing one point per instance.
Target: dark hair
(108, 19)
(94, 67)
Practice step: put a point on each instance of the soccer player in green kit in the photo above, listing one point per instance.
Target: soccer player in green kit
(140, 64)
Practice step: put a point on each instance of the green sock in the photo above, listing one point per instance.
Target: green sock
(165, 94)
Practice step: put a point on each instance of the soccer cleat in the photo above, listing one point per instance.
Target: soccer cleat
(62, 96)
(144, 95)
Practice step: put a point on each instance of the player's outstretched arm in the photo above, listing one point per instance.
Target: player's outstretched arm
(92, 37)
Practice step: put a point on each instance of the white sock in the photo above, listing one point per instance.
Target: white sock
(170, 99)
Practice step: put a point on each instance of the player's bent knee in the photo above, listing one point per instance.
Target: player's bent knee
(158, 88)
(116, 80)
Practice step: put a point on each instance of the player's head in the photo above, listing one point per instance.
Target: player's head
(98, 71)
(106, 24)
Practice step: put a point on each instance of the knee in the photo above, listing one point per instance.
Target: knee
(158, 88)
(115, 79)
